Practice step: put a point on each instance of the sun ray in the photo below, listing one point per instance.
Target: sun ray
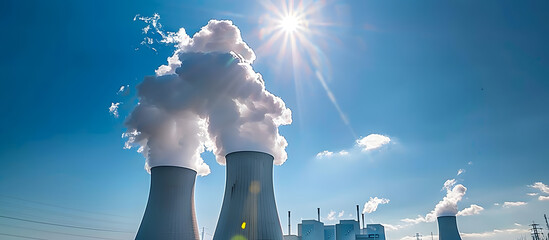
(291, 28)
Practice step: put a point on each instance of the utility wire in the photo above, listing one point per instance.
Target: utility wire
(58, 206)
(63, 225)
(61, 233)
(20, 236)
(58, 213)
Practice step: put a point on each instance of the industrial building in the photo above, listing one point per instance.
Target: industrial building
(344, 230)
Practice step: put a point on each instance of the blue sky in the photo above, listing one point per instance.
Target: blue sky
(454, 85)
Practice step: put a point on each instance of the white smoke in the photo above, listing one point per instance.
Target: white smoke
(447, 206)
(373, 203)
(454, 194)
(208, 97)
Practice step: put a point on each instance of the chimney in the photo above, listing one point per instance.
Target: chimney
(447, 228)
(358, 215)
(249, 206)
(363, 220)
(318, 213)
(289, 226)
(170, 211)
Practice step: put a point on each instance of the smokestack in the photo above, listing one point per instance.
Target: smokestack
(357, 215)
(289, 226)
(318, 213)
(249, 206)
(363, 220)
(447, 228)
(170, 211)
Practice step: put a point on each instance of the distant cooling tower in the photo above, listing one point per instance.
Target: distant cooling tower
(249, 207)
(447, 228)
(170, 210)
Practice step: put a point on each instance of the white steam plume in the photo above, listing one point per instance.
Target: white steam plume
(373, 203)
(208, 97)
(447, 206)
(454, 194)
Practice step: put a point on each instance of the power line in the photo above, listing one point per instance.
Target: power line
(63, 207)
(20, 236)
(61, 233)
(23, 208)
(63, 225)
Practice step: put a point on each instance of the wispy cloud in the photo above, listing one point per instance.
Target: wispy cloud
(373, 203)
(324, 154)
(543, 198)
(540, 186)
(113, 109)
(331, 215)
(368, 143)
(513, 204)
(532, 194)
(124, 90)
(496, 233)
(460, 171)
(340, 214)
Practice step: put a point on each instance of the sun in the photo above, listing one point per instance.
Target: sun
(290, 24)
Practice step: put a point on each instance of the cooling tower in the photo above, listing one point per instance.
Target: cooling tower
(447, 228)
(170, 210)
(249, 207)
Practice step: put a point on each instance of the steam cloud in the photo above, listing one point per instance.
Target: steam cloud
(454, 194)
(208, 97)
(373, 203)
(448, 205)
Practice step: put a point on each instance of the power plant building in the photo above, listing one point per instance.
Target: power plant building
(344, 230)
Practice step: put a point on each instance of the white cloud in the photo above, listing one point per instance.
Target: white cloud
(532, 194)
(419, 219)
(540, 186)
(331, 215)
(372, 141)
(497, 233)
(543, 198)
(470, 163)
(327, 154)
(496, 204)
(449, 184)
(460, 171)
(513, 204)
(124, 90)
(340, 214)
(373, 203)
(518, 224)
(472, 210)
(324, 154)
(113, 109)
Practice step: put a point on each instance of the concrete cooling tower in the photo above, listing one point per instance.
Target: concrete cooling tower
(170, 211)
(447, 228)
(249, 207)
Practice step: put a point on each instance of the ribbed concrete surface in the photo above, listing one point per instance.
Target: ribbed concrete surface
(170, 211)
(249, 198)
(447, 228)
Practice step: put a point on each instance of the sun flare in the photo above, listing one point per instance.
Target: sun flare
(289, 24)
